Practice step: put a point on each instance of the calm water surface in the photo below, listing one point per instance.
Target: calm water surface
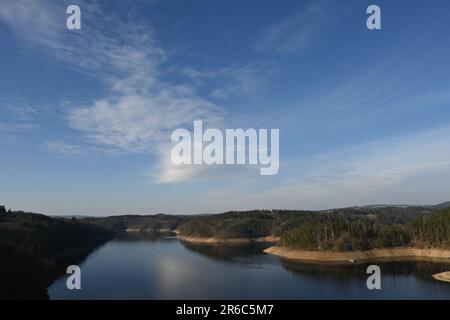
(146, 267)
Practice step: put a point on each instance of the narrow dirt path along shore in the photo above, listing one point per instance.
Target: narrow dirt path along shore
(359, 256)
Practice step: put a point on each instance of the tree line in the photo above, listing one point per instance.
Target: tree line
(340, 233)
(347, 229)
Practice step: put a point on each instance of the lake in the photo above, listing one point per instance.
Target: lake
(142, 266)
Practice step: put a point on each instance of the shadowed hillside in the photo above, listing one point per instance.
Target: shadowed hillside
(35, 249)
(149, 223)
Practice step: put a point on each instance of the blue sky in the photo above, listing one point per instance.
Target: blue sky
(86, 116)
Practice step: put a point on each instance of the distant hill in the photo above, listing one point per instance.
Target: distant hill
(150, 223)
(443, 205)
(438, 206)
(380, 206)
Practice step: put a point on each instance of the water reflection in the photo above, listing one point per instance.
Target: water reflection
(145, 237)
(148, 266)
(341, 273)
(229, 253)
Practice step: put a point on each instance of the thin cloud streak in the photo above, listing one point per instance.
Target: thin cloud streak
(295, 33)
(243, 81)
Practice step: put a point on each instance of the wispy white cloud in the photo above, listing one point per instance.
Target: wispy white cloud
(10, 132)
(245, 80)
(168, 172)
(16, 119)
(295, 33)
(356, 99)
(16, 109)
(140, 123)
(66, 149)
(139, 109)
(78, 150)
(202, 74)
(16, 127)
(107, 47)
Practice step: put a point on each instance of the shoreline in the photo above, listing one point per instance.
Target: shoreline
(444, 276)
(360, 256)
(199, 240)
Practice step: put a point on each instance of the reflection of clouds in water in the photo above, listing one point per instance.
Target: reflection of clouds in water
(173, 272)
(178, 277)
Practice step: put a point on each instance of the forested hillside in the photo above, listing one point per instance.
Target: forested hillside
(346, 233)
(250, 224)
(149, 223)
(345, 229)
(433, 230)
(34, 248)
